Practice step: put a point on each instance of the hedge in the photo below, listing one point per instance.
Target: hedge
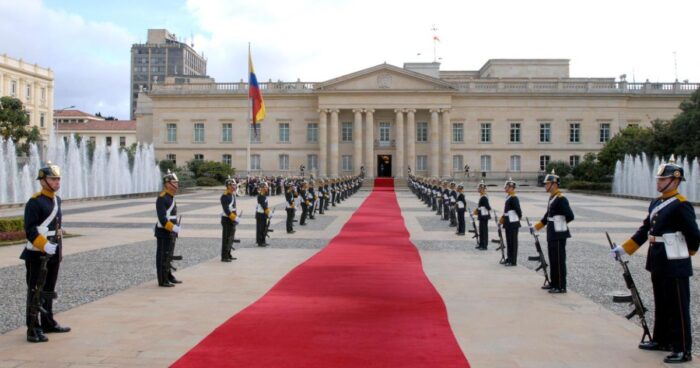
(207, 182)
(588, 185)
(10, 224)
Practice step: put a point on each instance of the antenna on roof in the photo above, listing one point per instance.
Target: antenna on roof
(675, 64)
(191, 39)
(436, 39)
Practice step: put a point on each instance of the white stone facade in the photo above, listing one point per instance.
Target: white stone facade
(508, 123)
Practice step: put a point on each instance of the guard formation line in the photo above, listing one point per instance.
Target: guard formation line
(670, 228)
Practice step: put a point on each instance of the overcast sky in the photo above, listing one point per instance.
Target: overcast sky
(87, 43)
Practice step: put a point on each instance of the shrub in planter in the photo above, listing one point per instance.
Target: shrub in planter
(207, 182)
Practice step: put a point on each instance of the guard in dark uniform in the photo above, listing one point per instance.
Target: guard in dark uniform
(483, 213)
(166, 230)
(229, 219)
(453, 205)
(511, 222)
(262, 212)
(42, 225)
(311, 195)
(289, 206)
(673, 237)
(304, 203)
(556, 219)
(461, 205)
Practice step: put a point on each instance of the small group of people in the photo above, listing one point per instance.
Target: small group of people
(670, 228)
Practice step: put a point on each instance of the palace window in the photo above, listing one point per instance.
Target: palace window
(545, 132)
(458, 132)
(346, 133)
(42, 118)
(255, 162)
(256, 137)
(122, 141)
(226, 132)
(574, 132)
(485, 163)
(172, 158)
(384, 130)
(457, 163)
(312, 132)
(347, 162)
(284, 162)
(574, 160)
(515, 163)
(226, 159)
(544, 161)
(485, 133)
(172, 132)
(284, 132)
(604, 132)
(421, 131)
(514, 132)
(421, 163)
(198, 132)
(312, 162)
(108, 141)
(198, 157)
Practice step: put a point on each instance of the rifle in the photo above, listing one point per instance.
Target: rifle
(170, 256)
(499, 241)
(267, 225)
(633, 298)
(540, 255)
(474, 230)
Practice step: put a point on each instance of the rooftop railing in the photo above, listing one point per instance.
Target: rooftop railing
(476, 86)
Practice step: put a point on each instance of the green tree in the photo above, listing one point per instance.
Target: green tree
(591, 170)
(211, 169)
(561, 168)
(684, 129)
(631, 140)
(14, 124)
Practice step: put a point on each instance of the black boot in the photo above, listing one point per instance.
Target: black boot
(36, 335)
(678, 357)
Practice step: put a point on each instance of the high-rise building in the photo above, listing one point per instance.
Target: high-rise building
(162, 56)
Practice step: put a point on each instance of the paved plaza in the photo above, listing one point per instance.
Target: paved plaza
(501, 318)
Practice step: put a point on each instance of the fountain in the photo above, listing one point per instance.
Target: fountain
(636, 176)
(106, 172)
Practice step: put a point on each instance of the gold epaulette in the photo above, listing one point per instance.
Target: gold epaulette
(162, 194)
(36, 195)
(681, 198)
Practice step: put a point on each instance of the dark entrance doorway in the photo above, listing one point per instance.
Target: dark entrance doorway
(384, 166)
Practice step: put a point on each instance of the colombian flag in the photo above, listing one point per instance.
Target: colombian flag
(254, 94)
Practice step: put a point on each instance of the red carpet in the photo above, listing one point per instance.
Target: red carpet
(363, 301)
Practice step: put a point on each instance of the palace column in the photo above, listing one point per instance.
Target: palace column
(434, 144)
(446, 142)
(369, 143)
(357, 141)
(411, 139)
(333, 167)
(322, 143)
(399, 144)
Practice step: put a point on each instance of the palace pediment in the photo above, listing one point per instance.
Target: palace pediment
(384, 77)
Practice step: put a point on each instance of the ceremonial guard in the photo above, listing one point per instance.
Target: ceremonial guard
(453, 205)
(42, 254)
(483, 213)
(289, 207)
(445, 197)
(262, 213)
(166, 230)
(321, 197)
(311, 195)
(461, 208)
(673, 236)
(511, 222)
(304, 203)
(229, 219)
(556, 219)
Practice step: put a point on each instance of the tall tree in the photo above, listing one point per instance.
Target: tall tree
(14, 123)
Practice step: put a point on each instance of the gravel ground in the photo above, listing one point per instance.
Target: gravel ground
(92, 275)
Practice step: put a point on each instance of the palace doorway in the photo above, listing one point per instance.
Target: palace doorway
(384, 166)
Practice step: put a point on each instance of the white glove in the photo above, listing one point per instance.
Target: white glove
(50, 248)
(176, 229)
(616, 252)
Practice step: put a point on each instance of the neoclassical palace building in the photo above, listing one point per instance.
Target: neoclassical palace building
(509, 118)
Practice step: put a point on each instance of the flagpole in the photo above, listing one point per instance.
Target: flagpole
(248, 115)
